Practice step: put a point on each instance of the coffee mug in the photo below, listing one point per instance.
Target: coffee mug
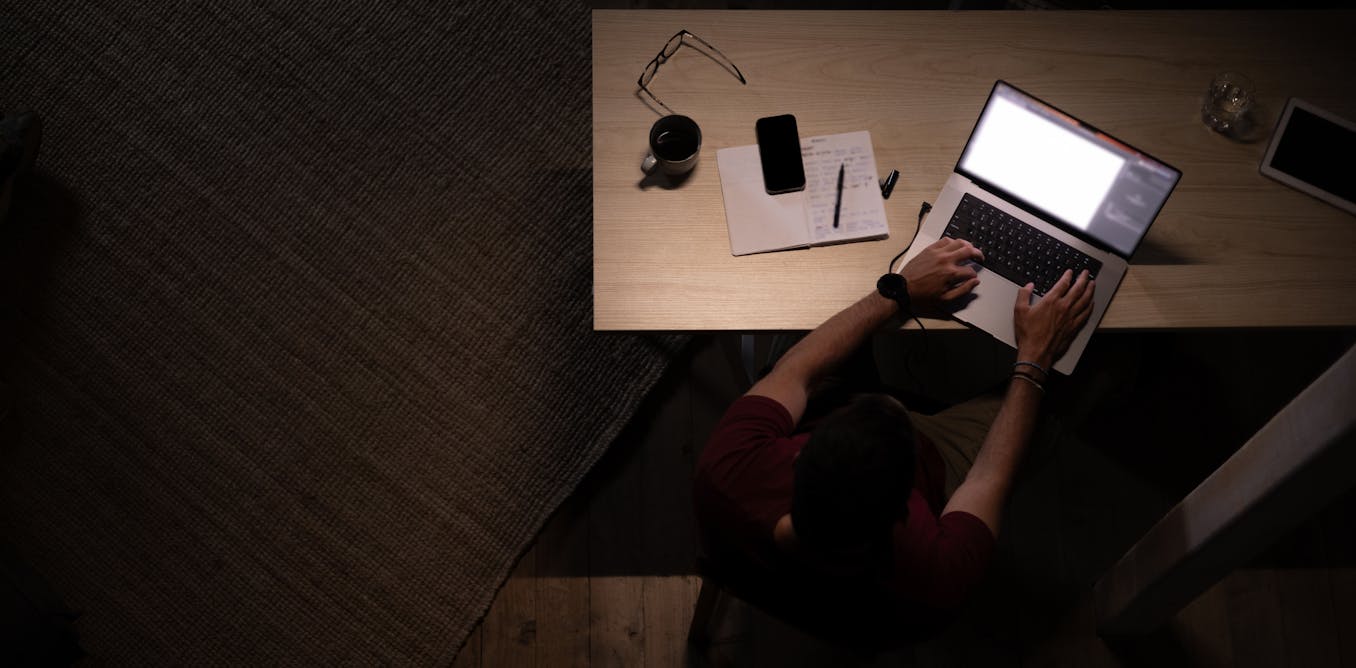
(674, 143)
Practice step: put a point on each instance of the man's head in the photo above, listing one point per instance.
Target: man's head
(854, 476)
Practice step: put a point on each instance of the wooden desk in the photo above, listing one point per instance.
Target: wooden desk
(1230, 249)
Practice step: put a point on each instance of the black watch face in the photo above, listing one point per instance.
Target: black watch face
(893, 286)
(890, 284)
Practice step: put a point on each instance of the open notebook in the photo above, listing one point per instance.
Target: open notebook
(760, 223)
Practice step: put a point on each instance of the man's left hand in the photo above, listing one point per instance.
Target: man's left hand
(941, 274)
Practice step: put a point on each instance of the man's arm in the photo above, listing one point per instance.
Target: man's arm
(987, 484)
(1044, 332)
(935, 276)
(820, 351)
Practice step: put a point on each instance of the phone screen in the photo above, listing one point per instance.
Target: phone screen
(779, 151)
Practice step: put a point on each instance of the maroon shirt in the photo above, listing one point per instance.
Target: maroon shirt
(743, 486)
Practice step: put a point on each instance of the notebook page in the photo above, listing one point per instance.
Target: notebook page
(862, 215)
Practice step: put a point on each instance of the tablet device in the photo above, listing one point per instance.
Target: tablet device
(1314, 151)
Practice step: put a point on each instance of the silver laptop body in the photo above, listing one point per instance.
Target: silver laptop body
(1027, 162)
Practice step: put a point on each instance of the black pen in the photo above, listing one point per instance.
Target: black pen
(838, 204)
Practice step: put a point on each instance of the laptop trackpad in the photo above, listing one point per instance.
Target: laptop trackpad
(990, 306)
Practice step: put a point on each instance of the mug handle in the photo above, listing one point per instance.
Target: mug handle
(648, 164)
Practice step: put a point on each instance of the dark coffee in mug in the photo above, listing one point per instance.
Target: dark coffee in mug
(674, 143)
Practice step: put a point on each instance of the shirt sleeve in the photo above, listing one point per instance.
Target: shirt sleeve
(743, 466)
(751, 422)
(754, 416)
(952, 564)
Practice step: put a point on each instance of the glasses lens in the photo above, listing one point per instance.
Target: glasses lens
(673, 44)
(648, 75)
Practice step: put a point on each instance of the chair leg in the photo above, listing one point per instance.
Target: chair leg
(699, 633)
(749, 357)
(733, 346)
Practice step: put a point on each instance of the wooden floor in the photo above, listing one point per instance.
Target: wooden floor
(610, 581)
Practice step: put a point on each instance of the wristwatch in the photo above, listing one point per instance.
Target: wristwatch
(892, 286)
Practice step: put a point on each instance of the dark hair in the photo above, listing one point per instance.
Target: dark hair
(854, 475)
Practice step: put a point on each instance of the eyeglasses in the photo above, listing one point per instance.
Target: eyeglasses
(671, 47)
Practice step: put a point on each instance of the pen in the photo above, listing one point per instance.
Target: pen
(838, 204)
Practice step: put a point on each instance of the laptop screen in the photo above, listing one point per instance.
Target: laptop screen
(1068, 170)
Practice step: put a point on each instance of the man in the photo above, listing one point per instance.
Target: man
(874, 520)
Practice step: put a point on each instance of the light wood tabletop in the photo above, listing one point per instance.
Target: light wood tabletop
(1231, 248)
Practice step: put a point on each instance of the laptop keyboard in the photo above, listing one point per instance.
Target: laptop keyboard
(1013, 249)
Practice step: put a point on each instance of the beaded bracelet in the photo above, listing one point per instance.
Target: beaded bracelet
(1030, 379)
(1032, 365)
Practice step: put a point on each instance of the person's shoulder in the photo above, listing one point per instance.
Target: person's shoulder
(750, 440)
(966, 528)
(757, 405)
(925, 533)
(939, 560)
(753, 416)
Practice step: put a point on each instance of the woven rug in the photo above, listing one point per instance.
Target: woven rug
(298, 346)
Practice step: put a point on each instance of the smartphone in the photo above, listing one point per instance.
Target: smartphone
(779, 151)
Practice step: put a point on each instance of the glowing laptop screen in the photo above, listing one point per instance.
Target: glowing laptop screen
(1069, 171)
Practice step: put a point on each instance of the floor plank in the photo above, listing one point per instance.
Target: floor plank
(1311, 637)
(562, 552)
(616, 620)
(731, 633)
(669, 602)
(1343, 581)
(1255, 619)
(509, 631)
(616, 596)
(1305, 600)
(563, 608)
(668, 531)
(775, 644)
(469, 655)
(1306, 607)
(1339, 544)
(1076, 640)
(1202, 628)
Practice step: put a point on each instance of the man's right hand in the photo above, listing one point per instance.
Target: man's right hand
(941, 274)
(1045, 329)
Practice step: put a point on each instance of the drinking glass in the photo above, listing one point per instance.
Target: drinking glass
(1227, 103)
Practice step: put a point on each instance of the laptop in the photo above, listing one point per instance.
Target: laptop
(1039, 191)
